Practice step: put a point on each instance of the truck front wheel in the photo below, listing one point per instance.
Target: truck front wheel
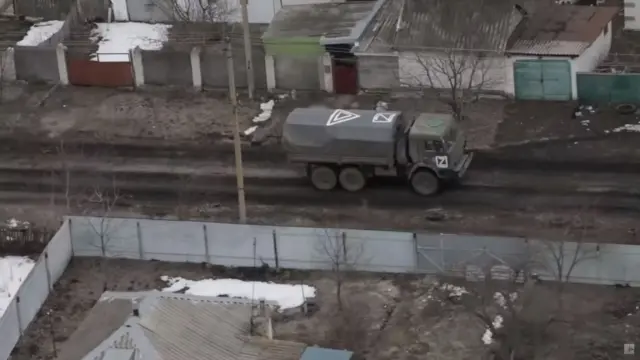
(352, 179)
(323, 177)
(425, 182)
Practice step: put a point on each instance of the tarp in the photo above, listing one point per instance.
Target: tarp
(338, 135)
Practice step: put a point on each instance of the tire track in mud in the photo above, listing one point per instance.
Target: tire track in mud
(506, 158)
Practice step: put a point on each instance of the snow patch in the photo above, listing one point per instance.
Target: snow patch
(120, 12)
(286, 296)
(13, 271)
(250, 130)
(266, 111)
(501, 300)
(455, 292)
(628, 127)
(40, 32)
(115, 40)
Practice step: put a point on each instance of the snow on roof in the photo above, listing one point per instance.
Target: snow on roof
(40, 32)
(13, 271)
(115, 40)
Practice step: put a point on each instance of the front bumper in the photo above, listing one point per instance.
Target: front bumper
(463, 165)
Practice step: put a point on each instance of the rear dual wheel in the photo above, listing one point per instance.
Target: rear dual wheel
(326, 178)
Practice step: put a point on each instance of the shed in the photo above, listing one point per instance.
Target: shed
(550, 47)
(321, 134)
(299, 37)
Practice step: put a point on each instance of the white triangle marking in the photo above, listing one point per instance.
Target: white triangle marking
(340, 116)
(384, 117)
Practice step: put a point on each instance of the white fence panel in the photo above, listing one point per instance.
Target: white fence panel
(119, 237)
(33, 292)
(10, 330)
(382, 251)
(233, 245)
(301, 248)
(59, 252)
(177, 241)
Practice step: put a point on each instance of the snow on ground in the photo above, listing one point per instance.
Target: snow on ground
(628, 127)
(120, 12)
(286, 296)
(40, 32)
(13, 271)
(115, 40)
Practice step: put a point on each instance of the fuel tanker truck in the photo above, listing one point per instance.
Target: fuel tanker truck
(349, 147)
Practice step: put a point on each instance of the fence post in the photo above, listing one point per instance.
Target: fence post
(196, 68)
(46, 267)
(8, 63)
(416, 251)
(275, 249)
(270, 69)
(140, 247)
(18, 315)
(71, 237)
(61, 57)
(137, 66)
(206, 242)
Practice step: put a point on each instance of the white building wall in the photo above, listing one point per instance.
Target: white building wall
(586, 62)
(412, 71)
(632, 14)
(263, 11)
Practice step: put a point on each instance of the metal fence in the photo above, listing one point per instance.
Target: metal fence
(605, 88)
(306, 248)
(34, 290)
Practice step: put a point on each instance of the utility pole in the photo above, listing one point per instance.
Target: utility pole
(237, 148)
(247, 47)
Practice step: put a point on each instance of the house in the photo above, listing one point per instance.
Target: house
(440, 44)
(550, 47)
(308, 47)
(163, 326)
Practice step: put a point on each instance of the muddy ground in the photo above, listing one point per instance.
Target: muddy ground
(389, 317)
(181, 116)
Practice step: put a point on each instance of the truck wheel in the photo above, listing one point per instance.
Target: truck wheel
(425, 182)
(323, 178)
(352, 179)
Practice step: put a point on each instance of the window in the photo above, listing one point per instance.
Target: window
(629, 4)
(434, 145)
(629, 18)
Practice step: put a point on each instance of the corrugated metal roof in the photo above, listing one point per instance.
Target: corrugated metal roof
(263, 349)
(458, 24)
(561, 30)
(553, 47)
(316, 353)
(380, 34)
(103, 320)
(181, 330)
(331, 20)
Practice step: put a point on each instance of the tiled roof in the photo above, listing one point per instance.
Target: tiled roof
(561, 30)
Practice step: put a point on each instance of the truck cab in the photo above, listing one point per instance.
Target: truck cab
(436, 152)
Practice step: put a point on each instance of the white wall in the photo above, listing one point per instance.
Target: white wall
(412, 72)
(632, 14)
(263, 11)
(587, 61)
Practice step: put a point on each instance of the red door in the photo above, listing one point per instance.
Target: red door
(345, 78)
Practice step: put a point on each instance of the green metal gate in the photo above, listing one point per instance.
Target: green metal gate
(542, 79)
(597, 88)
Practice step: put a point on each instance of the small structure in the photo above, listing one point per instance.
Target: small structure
(308, 47)
(551, 46)
(518, 48)
(163, 326)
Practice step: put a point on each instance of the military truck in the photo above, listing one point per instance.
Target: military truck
(348, 147)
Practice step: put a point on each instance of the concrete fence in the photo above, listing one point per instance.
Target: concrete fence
(307, 248)
(34, 290)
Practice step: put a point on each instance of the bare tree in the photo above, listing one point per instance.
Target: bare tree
(464, 53)
(102, 202)
(201, 11)
(344, 257)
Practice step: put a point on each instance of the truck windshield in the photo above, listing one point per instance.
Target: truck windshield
(450, 136)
